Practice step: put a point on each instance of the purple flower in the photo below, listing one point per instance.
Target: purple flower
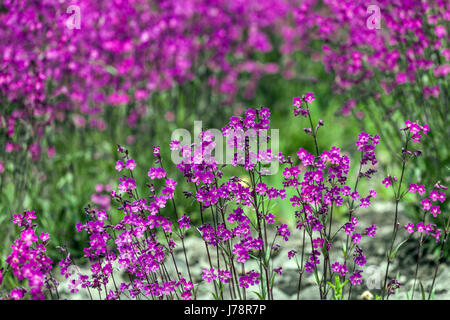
(17, 293)
(421, 227)
(278, 270)
(44, 237)
(426, 204)
(338, 268)
(224, 276)
(249, 279)
(309, 97)
(130, 165)
(359, 258)
(270, 218)
(435, 210)
(284, 231)
(421, 189)
(356, 277)
(318, 242)
(349, 228)
(156, 173)
(291, 254)
(261, 188)
(365, 202)
(371, 231)
(209, 275)
(28, 236)
(296, 101)
(119, 165)
(184, 222)
(388, 181)
(410, 228)
(356, 238)
(156, 151)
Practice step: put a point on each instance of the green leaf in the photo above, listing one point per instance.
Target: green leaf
(317, 277)
(337, 288)
(9, 192)
(422, 290)
(432, 294)
(219, 284)
(3, 217)
(298, 264)
(273, 279)
(260, 297)
(111, 70)
(337, 281)
(267, 256)
(253, 256)
(195, 290)
(392, 256)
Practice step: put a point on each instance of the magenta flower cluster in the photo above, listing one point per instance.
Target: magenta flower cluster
(429, 205)
(28, 261)
(120, 54)
(394, 54)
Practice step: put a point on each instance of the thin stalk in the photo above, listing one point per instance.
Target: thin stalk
(301, 264)
(395, 227)
(313, 131)
(419, 255)
(441, 256)
(185, 257)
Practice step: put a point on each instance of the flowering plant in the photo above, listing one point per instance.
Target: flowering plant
(135, 254)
